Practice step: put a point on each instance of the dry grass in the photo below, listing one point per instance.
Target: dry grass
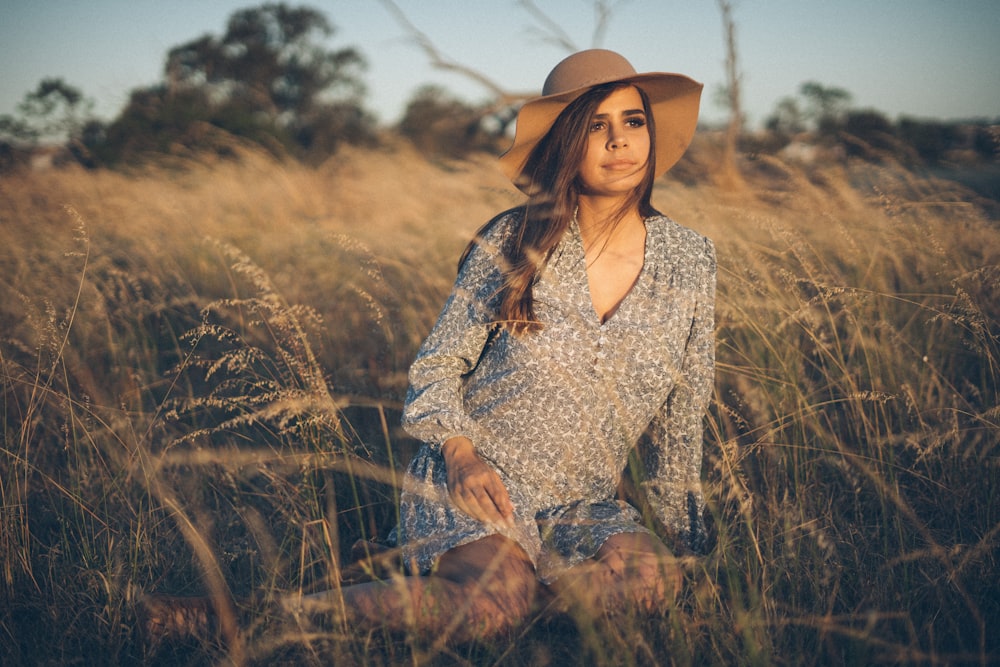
(202, 366)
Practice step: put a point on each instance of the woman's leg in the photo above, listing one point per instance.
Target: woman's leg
(477, 590)
(630, 571)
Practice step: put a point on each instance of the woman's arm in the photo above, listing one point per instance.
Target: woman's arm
(435, 408)
(673, 460)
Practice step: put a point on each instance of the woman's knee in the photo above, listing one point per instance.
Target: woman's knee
(496, 574)
(514, 588)
(644, 567)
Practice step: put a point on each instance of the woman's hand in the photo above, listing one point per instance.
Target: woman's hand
(474, 486)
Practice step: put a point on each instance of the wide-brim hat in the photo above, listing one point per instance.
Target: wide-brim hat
(674, 100)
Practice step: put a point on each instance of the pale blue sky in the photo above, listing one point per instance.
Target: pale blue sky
(924, 58)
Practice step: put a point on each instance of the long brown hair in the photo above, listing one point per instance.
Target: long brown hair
(550, 178)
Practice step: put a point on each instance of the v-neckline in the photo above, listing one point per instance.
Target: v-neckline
(615, 311)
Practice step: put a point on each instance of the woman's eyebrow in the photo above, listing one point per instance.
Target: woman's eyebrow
(627, 112)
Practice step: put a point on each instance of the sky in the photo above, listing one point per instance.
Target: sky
(931, 59)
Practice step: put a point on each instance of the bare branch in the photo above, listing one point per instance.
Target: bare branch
(441, 61)
(603, 11)
(504, 99)
(552, 32)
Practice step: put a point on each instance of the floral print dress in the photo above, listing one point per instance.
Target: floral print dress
(556, 412)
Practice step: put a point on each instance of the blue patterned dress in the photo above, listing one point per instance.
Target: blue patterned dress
(556, 412)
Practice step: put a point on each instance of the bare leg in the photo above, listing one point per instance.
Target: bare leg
(478, 590)
(631, 571)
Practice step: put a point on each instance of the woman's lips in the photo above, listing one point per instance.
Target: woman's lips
(619, 165)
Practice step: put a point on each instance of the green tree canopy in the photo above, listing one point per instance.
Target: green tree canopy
(788, 118)
(54, 111)
(826, 105)
(272, 60)
(270, 79)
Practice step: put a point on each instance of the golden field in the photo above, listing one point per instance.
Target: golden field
(203, 364)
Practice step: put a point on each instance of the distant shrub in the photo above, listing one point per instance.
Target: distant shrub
(440, 124)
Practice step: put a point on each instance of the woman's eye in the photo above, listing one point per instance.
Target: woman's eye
(597, 126)
(636, 122)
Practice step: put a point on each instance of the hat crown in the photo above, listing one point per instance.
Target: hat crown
(585, 69)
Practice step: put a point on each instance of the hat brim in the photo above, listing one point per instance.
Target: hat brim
(674, 100)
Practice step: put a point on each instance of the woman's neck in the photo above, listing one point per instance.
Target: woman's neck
(600, 219)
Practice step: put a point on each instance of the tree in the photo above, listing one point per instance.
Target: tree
(437, 122)
(55, 112)
(825, 105)
(16, 130)
(787, 119)
(269, 79)
(270, 59)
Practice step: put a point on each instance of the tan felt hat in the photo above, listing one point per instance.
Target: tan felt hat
(674, 99)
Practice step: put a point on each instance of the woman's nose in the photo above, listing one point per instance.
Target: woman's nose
(617, 139)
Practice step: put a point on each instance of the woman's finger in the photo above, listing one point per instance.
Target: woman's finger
(500, 499)
(486, 509)
(478, 498)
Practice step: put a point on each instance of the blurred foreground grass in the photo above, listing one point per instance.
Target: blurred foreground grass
(201, 369)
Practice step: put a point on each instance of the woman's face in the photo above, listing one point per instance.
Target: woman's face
(617, 153)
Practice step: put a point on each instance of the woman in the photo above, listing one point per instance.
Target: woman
(578, 321)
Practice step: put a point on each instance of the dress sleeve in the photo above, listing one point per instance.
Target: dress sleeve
(434, 410)
(673, 456)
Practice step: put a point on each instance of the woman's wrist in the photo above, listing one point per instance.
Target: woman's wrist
(457, 446)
